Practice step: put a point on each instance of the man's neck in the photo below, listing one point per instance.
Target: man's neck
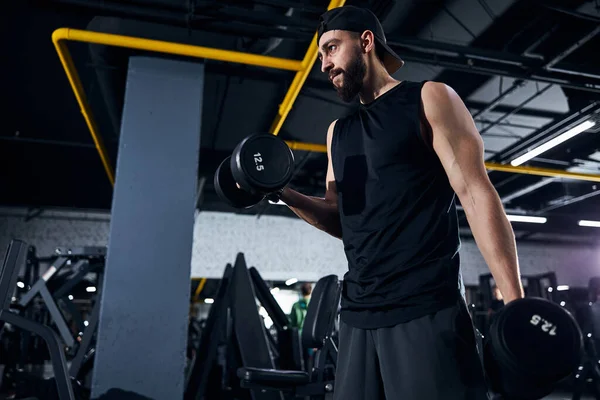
(376, 85)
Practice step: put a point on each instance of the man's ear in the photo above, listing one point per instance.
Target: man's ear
(367, 40)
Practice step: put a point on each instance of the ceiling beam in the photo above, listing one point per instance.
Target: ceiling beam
(528, 112)
(475, 53)
(498, 68)
(315, 85)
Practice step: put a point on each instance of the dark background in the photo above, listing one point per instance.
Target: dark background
(481, 48)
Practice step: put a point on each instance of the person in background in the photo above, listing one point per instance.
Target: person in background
(299, 308)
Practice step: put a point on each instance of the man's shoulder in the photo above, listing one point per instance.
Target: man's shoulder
(437, 93)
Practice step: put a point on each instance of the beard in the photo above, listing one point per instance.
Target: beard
(352, 78)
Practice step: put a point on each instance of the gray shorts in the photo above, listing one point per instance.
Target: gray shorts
(429, 358)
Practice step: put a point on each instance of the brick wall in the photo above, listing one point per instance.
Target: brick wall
(279, 247)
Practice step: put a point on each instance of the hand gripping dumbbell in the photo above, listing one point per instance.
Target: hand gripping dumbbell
(260, 166)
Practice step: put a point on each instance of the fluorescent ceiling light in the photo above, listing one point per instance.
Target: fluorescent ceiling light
(551, 143)
(593, 224)
(561, 288)
(525, 218)
(291, 281)
(90, 289)
(209, 300)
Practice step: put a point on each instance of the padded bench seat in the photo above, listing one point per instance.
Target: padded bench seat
(316, 333)
(273, 377)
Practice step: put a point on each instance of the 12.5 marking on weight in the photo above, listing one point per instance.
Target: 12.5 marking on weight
(546, 326)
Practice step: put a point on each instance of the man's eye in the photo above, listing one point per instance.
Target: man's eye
(332, 47)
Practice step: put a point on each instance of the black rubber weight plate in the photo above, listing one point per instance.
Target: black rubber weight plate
(542, 336)
(267, 162)
(227, 190)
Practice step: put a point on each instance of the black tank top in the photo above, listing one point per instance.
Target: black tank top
(397, 211)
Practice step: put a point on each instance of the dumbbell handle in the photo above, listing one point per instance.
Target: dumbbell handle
(275, 196)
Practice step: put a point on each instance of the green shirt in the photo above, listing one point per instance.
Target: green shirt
(298, 314)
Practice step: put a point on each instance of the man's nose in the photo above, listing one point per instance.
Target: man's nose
(326, 65)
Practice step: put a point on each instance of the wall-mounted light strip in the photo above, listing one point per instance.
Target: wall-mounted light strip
(525, 218)
(593, 224)
(291, 281)
(552, 143)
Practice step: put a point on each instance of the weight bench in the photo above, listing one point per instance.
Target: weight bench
(288, 347)
(316, 333)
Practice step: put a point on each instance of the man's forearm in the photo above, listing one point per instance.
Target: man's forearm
(495, 238)
(315, 210)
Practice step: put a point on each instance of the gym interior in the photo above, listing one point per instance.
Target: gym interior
(130, 271)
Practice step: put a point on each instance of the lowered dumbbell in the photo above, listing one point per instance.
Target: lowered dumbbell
(531, 346)
(260, 165)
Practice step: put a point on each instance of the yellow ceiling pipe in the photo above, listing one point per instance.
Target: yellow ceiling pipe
(61, 35)
(528, 170)
(318, 148)
(199, 289)
(321, 148)
(64, 55)
(302, 68)
(307, 64)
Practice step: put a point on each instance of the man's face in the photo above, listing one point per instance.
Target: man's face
(342, 60)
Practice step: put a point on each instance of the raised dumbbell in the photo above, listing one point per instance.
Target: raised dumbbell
(260, 165)
(532, 345)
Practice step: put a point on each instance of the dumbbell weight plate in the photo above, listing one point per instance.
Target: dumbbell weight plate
(542, 335)
(226, 188)
(512, 385)
(262, 163)
(534, 344)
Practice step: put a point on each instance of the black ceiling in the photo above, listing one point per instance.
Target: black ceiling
(48, 159)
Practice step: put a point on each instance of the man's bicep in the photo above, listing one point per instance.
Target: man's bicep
(330, 186)
(455, 138)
